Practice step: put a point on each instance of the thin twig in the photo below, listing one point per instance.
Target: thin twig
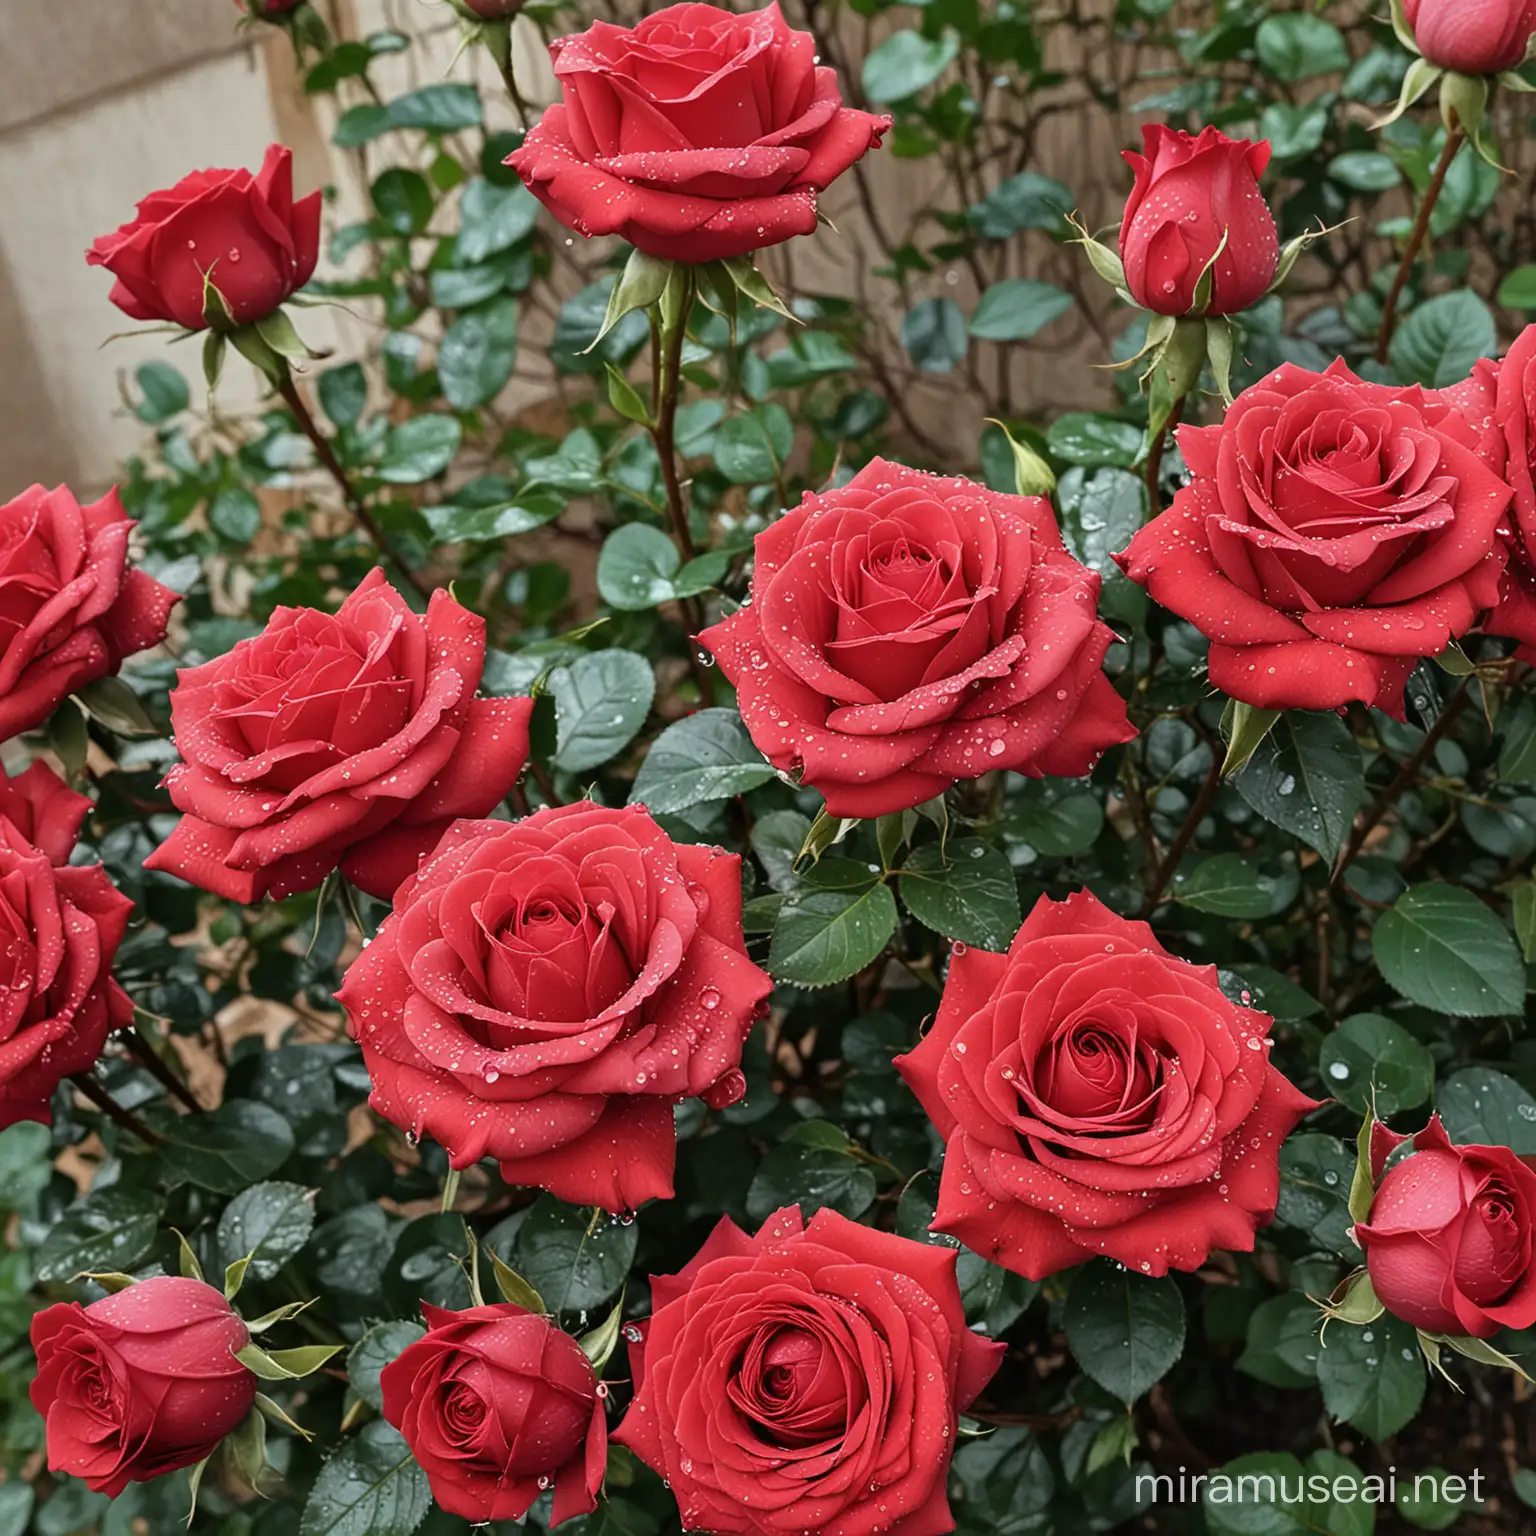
(144, 1052)
(1169, 867)
(1453, 141)
(349, 493)
(123, 1118)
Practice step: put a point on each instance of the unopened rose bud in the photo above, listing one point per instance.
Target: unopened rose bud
(1473, 37)
(487, 10)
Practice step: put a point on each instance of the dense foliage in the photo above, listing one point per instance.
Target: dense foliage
(1358, 878)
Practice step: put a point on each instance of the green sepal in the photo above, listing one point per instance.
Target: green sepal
(626, 399)
(1032, 476)
(245, 1449)
(826, 832)
(514, 1288)
(1455, 661)
(640, 285)
(1476, 1349)
(1220, 346)
(753, 285)
(274, 1414)
(598, 1345)
(1358, 1304)
(1417, 81)
(215, 349)
(111, 1281)
(216, 313)
(1362, 1189)
(1401, 27)
(1464, 105)
(1244, 728)
(112, 703)
(252, 346)
(69, 737)
(187, 1260)
(1175, 371)
(278, 331)
(1104, 260)
(194, 1483)
(286, 1364)
(234, 1276)
(282, 1314)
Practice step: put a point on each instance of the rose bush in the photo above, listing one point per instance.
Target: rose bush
(907, 631)
(650, 751)
(697, 135)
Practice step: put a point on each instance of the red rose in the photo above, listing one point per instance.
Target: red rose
(546, 990)
(60, 926)
(71, 606)
(1473, 37)
(1451, 1240)
(498, 1404)
(1195, 200)
(350, 740)
(243, 233)
(140, 1383)
(1335, 532)
(697, 136)
(1099, 1096)
(810, 1378)
(1499, 402)
(909, 630)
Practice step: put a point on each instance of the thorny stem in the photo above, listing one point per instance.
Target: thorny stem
(1403, 778)
(349, 493)
(120, 1117)
(1453, 142)
(1155, 455)
(1169, 867)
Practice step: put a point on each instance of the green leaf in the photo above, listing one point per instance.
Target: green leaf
(1025, 201)
(107, 1230)
(777, 838)
(832, 925)
(420, 449)
(16, 1502)
(495, 218)
(1101, 510)
(268, 1223)
(1282, 1347)
(811, 1177)
(751, 449)
(575, 1259)
(1482, 1107)
(1442, 948)
(637, 567)
(372, 1486)
(626, 399)
(964, 890)
(1370, 1060)
(382, 1345)
(1009, 1483)
(444, 107)
(476, 354)
(1365, 171)
(1294, 130)
(1440, 340)
(1080, 437)
(1316, 1174)
(344, 394)
(235, 514)
(227, 1148)
(601, 701)
(1297, 46)
(1307, 777)
(1248, 1497)
(933, 332)
(164, 390)
(707, 756)
(1017, 309)
(1518, 290)
(111, 702)
(906, 63)
(1125, 1330)
(404, 200)
(1056, 825)
(1433, 1500)
(1372, 1377)
(1227, 885)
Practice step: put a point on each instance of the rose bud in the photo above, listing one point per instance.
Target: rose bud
(140, 1383)
(487, 10)
(62, 925)
(907, 631)
(1473, 37)
(697, 135)
(1333, 534)
(242, 233)
(343, 741)
(498, 1404)
(72, 605)
(268, 9)
(1100, 1096)
(809, 1379)
(1451, 1239)
(1195, 198)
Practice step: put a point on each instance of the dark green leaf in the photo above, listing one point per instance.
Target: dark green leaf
(372, 1486)
(107, 1232)
(575, 1259)
(1125, 1330)
(270, 1222)
(964, 890)
(601, 701)
(475, 357)
(226, 1149)
(707, 756)
(1307, 777)
(1442, 948)
(1368, 1060)
(1372, 1377)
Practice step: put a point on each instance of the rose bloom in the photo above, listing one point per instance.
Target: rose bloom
(697, 135)
(1195, 197)
(1499, 402)
(497, 1404)
(243, 233)
(140, 1383)
(1473, 37)
(72, 607)
(60, 926)
(350, 740)
(1451, 1239)
(810, 1378)
(1099, 1096)
(546, 990)
(1334, 533)
(910, 630)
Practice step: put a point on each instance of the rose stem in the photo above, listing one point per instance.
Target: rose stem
(355, 503)
(1453, 141)
(666, 380)
(1169, 867)
(1404, 777)
(1155, 455)
(114, 1111)
(145, 1053)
